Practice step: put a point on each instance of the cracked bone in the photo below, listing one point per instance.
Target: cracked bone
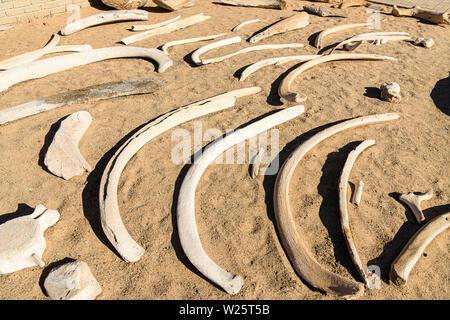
(319, 39)
(412, 251)
(177, 25)
(187, 228)
(195, 57)
(125, 4)
(285, 91)
(301, 258)
(173, 5)
(426, 42)
(390, 91)
(240, 25)
(440, 18)
(104, 17)
(72, 281)
(269, 4)
(110, 218)
(190, 40)
(297, 21)
(358, 193)
(42, 68)
(153, 26)
(22, 241)
(322, 12)
(413, 201)
(391, 36)
(63, 158)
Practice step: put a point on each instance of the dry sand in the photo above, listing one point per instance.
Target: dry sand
(235, 213)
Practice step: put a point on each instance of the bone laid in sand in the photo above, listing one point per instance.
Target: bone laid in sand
(3, 28)
(104, 17)
(125, 4)
(110, 218)
(184, 41)
(299, 255)
(42, 68)
(345, 225)
(322, 12)
(256, 163)
(319, 39)
(285, 91)
(425, 42)
(171, 5)
(154, 26)
(177, 25)
(196, 54)
(269, 4)
(413, 201)
(63, 158)
(297, 21)
(267, 62)
(390, 91)
(353, 3)
(254, 48)
(427, 15)
(410, 254)
(187, 228)
(240, 25)
(391, 36)
(358, 193)
(22, 241)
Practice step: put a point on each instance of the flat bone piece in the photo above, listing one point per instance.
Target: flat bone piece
(195, 57)
(125, 4)
(358, 193)
(353, 3)
(63, 158)
(412, 251)
(414, 200)
(322, 12)
(299, 255)
(110, 218)
(171, 5)
(104, 17)
(391, 36)
(319, 39)
(240, 25)
(426, 42)
(390, 91)
(187, 228)
(190, 40)
(22, 241)
(42, 68)
(268, 4)
(297, 21)
(153, 26)
(440, 18)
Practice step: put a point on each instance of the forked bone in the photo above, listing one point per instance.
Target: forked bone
(143, 27)
(171, 5)
(240, 25)
(319, 39)
(358, 193)
(270, 4)
(390, 91)
(190, 40)
(426, 42)
(299, 255)
(413, 201)
(391, 36)
(196, 54)
(63, 157)
(410, 254)
(428, 15)
(322, 12)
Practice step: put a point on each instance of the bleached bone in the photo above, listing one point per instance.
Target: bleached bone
(297, 21)
(70, 48)
(112, 224)
(22, 241)
(89, 94)
(267, 62)
(256, 163)
(391, 36)
(187, 228)
(63, 158)
(390, 91)
(284, 90)
(414, 200)
(240, 25)
(184, 41)
(177, 25)
(301, 258)
(3, 28)
(153, 26)
(322, 12)
(410, 254)
(270, 4)
(358, 193)
(426, 42)
(345, 225)
(428, 15)
(171, 5)
(353, 3)
(196, 54)
(42, 68)
(125, 4)
(319, 39)
(254, 48)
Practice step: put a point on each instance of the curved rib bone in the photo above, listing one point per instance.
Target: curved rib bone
(240, 25)
(413, 201)
(322, 12)
(42, 68)
(196, 54)
(410, 254)
(319, 39)
(302, 260)
(178, 42)
(187, 228)
(343, 182)
(270, 4)
(153, 26)
(284, 90)
(104, 17)
(391, 36)
(112, 224)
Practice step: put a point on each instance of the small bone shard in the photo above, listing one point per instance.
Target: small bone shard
(270, 4)
(297, 21)
(390, 92)
(3, 28)
(358, 193)
(413, 201)
(72, 281)
(153, 26)
(167, 45)
(63, 157)
(353, 3)
(319, 39)
(256, 163)
(22, 241)
(322, 12)
(427, 15)
(240, 25)
(196, 54)
(172, 5)
(125, 4)
(425, 42)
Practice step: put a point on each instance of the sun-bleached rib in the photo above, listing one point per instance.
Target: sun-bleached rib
(142, 27)
(240, 25)
(196, 54)
(167, 45)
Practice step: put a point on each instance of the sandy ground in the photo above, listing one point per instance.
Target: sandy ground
(234, 213)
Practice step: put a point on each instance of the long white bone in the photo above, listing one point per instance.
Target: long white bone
(187, 228)
(322, 12)
(301, 258)
(42, 68)
(110, 218)
(167, 45)
(319, 39)
(3, 28)
(196, 54)
(270, 4)
(391, 36)
(414, 200)
(153, 26)
(240, 25)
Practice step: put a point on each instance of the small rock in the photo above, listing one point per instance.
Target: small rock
(390, 91)
(426, 42)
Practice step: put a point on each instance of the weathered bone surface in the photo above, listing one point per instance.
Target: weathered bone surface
(177, 25)
(297, 21)
(428, 15)
(72, 281)
(390, 91)
(270, 4)
(171, 5)
(187, 228)
(104, 17)
(153, 26)
(240, 25)
(358, 193)
(391, 36)
(426, 42)
(413, 201)
(63, 158)
(3, 28)
(42, 68)
(22, 241)
(184, 41)
(196, 54)
(256, 163)
(319, 39)
(410, 254)
(89, 94)
(345, 225)
(322, 12)
(301, 258)
(353, 3)
(285, 91)
(110, 218)
(125, 4)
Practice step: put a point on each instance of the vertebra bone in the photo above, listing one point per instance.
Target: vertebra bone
(426, 42)
(178, 42)
(414, 200)
(390, 91)
(196, 54)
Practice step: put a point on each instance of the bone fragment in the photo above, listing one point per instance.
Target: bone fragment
(358, 193)
(319, 39)
(440, 18)
(125, 4)
(256, 163)
(240, 25)
(426, 42)
(7, 27)
(171, 5)
(196, 54)
(269, 4)
(353, 3)
(390, 91)
(153, 26)
(413, 201)
(322, 12)
(391, 36)
(190, 40)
